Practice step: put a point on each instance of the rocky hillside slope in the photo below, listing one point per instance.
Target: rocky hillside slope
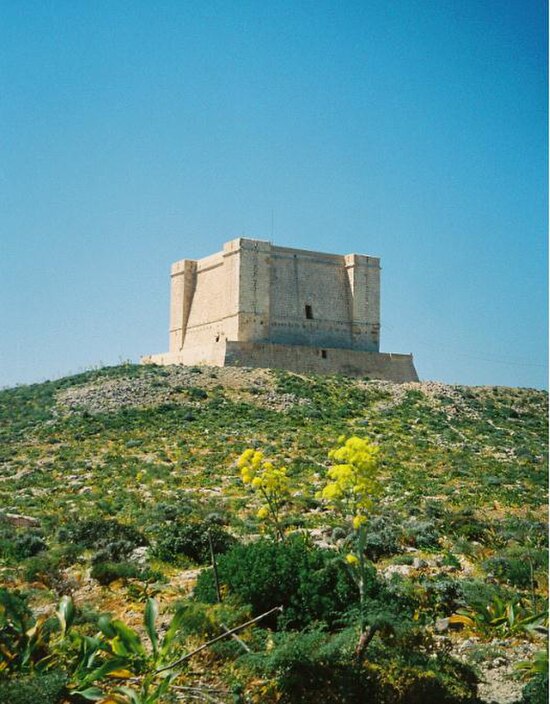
(464, 472)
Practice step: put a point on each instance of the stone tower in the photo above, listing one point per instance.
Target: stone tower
(259, 305)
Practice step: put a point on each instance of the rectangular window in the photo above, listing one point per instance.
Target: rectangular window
(324, 354)
(309, 312)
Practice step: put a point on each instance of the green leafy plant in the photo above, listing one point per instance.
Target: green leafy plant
(536, 670)
(24, 640)
(99, 532)
(118, 653)
(509, 617)
(537, 666)
(313, 665)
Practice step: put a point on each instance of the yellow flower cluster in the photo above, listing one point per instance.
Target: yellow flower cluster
(271, 482)
(249, 463)
(261, 474)
(353, 479)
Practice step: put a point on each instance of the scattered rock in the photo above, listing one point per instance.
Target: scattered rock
(178, 385)
(20, 521)
(403, 570)
(139, 556)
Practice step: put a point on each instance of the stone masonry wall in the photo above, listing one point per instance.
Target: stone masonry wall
(278, 285)
(256, 304)
(312, 360)
(210, 294)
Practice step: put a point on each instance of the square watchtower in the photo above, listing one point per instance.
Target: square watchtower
(257, 304)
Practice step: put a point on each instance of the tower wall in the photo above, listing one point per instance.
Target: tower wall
(258, 304)
(183, 281)
(364, 282)
(254, 289)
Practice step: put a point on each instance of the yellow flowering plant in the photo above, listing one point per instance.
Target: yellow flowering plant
(270, 482)
(352, 487)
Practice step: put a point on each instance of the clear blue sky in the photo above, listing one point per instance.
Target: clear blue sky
(135, 133)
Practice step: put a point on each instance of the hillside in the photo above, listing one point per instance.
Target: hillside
(461, 521)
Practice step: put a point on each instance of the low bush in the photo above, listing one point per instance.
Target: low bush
(464, 524)
(96, 533)
(107, 572)
(19, 544)
(47, 567)
(536, 690)
(44, 688)
(384, 535)
(205, 620)
(313, 666)
(310, 583)
(28, 544)
(192, 541)
(479, 595)
(181, 508)
(195, 393)
(116, 551)
(442, 595)
(420, 534)
(517, 566)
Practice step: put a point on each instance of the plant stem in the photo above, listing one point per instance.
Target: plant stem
(221, 637)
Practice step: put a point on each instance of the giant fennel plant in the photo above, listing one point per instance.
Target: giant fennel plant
(350, 490)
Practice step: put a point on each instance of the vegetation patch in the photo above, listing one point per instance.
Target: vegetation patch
(147, 511)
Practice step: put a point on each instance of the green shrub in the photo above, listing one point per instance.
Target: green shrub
(310, 583)
(384, 534)
(195, 393)
(451, 560)
(536, 690)
(513, 570)
(464, 524)
(36, 689)
(313, 666)
(28, 544)
(19, 544)
(47, 567)
(522, 530)
(308, 667)
(205, 620)
(116, 551)
(442, 595)
(182, 507)
(98, 532)
(191, 540)
(406, 559)
(420, 534)
(107, 572)
(516, 566)
(479, 595)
